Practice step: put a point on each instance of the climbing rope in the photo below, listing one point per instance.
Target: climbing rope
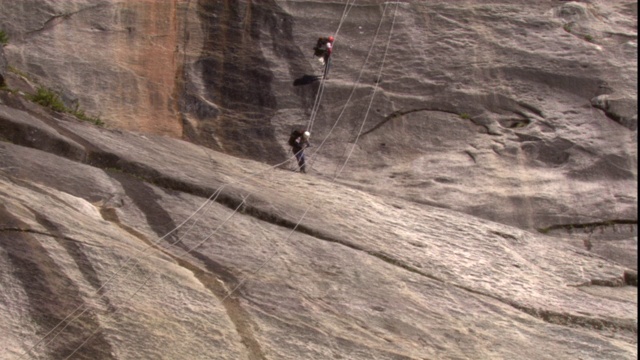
(355, 85)
(318, 100)
(209, 201)
(136, 256)
(151, 275)
(266, 261)
(375, 88)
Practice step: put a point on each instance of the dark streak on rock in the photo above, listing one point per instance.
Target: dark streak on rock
(399, 113)
(51, 294)
(42, 233)
(74, 249)
(505, 236)
(514, 123)
(216, 279)
(532, 108)
(162, 223)
(589, 226)
(147, 201)
(235, 74)
(564, 319)
(57, 19)
(36, 138)
(631, 278)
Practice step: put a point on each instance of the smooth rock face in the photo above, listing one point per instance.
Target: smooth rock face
(472, 192)
(137, 246)
(518, 112)
(84, 50)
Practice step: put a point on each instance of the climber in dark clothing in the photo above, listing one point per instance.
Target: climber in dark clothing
(299, 141)
(323, 49)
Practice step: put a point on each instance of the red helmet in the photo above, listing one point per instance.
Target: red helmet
(331, 38)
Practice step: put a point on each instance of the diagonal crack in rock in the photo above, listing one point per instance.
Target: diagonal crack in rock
(57, 19)
(102, 159)
(232, 202)
(44, 233)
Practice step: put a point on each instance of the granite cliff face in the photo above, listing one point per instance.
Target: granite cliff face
(472, 193)
(520, 114)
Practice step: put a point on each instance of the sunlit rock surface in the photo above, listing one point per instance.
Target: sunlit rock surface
(488, 207)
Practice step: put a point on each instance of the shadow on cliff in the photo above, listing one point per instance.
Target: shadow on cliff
(238, 80)
(306, 80)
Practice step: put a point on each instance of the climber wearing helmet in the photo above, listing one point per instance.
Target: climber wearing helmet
(323, 48)
(299, 141)
(329, 49)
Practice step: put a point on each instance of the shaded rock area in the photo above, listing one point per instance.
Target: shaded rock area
(622, 110)
(3, 67)
(472, 191)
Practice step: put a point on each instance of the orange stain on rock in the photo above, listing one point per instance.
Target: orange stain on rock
(149, 52)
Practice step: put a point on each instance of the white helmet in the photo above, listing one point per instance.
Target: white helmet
(306, 134)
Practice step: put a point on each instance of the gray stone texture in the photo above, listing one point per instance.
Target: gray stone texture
(3, 66)
(487, 210)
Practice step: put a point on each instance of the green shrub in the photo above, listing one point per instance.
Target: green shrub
(5, 87)
(567, 27)
(16, 71)
(4, 38)
(79, 113)
(589, 38)
(48, 98)
(465, 116)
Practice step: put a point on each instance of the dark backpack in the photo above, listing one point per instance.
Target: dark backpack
(322, 43)
(321, 46)
(294, 136)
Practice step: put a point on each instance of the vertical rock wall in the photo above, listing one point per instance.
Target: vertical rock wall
(234, 84)
(519, 112)
(199, 69)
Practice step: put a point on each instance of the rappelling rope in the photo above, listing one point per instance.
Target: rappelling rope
(375, 88)
(143, 257)
(332, 180)
(210, 200)
(134, 256)
(151, 275)
(316, 105)
(345, 12)
(355, 85)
